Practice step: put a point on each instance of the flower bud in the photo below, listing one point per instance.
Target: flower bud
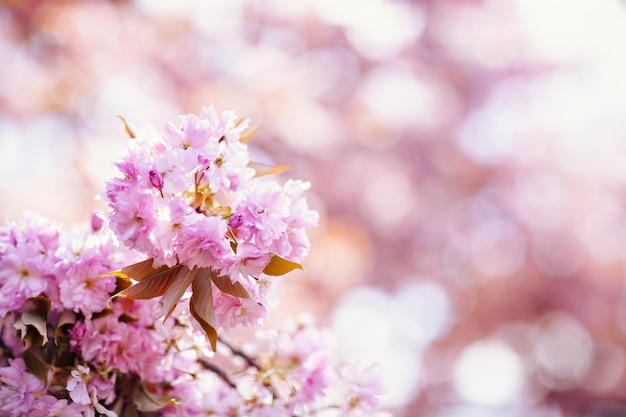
(96, 221)
(235, 221)
(156, 179)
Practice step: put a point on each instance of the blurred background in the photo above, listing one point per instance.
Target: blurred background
(467, 159)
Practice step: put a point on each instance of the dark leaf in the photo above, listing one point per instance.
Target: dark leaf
(125, 318)
(225, 285)
(142, 270)
(121, 283)
(153, 286)
(181, 282)
(33, 322)
(103, 313)
(201, 305)
(66, 321)
(36, 365)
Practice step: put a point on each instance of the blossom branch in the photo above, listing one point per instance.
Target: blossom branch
(238, 352)
(218, 371)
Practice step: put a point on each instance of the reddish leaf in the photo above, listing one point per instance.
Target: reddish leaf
(225, 285)
(201, 305)
(67, 320)
(152, 286)
(35, 363)
(181, 282)
(121, 283)
(142, 270)
(280, 266)
(246, 136)
(262, 169)
(103, 313)
(33, 322)
(128, 130)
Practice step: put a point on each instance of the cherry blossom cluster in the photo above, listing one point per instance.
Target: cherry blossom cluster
(68, 349)
(188, 198)
(90, 323)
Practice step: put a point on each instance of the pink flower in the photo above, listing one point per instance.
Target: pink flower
(24, 272)
(204, 243)
(27, 261)
(61, 408)
(314, 379)
(224, 125)
(264, 210)
(108, 343)
(165, 234)
(83, 390)
(194, 132)
(18, 389)
(294, 244)
(175, 168)
(77, 385)
(83, 260)
(247, 261)
(229, 170)
(205, 395)
(233, 311)
(364, 386)
(49, 406)
(84, 288)
(132, 219)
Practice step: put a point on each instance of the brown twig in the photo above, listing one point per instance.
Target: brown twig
(238, 352)
(218, 371)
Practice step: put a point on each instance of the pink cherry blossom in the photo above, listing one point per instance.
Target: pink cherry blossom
(203, 242)
(185, 199)
(27, 261)
(249, 260)
(108, 343)
(19, 389)
(77, 385)
(233, 311)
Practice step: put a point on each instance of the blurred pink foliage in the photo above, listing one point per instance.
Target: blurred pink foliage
(466, 157)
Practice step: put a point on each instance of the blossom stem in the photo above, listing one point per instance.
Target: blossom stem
(218, 371)
(238, 352)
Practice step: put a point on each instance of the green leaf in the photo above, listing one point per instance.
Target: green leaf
(177, 288)
(224, 284)
(201, 305)
(278, 266)
(152, 286)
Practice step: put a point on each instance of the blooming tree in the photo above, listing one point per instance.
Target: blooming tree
(127, 316)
